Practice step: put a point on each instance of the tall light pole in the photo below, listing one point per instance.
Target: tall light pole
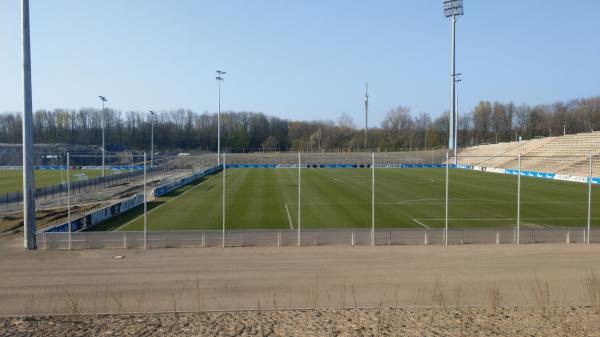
(28, 177)
(452, 9)
(366, 114)
(153, 114)
(103, 122)
(220, 79)
(456, 80)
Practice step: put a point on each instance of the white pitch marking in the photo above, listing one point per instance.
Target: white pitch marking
(423, 202)
(365, 178)
(415, 200)
(483, 202)
(420, 223)
(509, 219)
(288, 215)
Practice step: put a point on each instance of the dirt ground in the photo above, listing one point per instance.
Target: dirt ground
(449, 321)
(94, 281)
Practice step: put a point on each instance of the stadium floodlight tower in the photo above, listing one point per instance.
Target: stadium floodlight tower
(153, 116)
(452, 9)
(366, 114)
(103, 122)
(220, 79)
(28, 177)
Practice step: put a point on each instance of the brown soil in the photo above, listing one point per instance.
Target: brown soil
(560, 321)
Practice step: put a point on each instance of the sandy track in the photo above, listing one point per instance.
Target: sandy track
(287, 277)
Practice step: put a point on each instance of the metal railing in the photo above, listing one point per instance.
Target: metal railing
(309, 237)
(14, 200)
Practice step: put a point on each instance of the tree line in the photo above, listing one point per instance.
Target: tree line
(488, 122)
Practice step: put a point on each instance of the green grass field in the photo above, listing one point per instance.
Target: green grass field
(12, 180)
(341, 198)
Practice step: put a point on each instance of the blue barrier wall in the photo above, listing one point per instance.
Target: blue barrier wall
(64, 167)
(544, 175)
(166, 188)
(92, 219)
(305, 165)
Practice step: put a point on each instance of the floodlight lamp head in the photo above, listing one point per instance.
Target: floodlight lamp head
(453, 8)
(102, 98)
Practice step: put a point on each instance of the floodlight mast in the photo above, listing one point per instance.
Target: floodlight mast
(220, 79)
(103, 122)
(366, 114)
(452, 9)
(153, 116)
(28, 177)
(457, 79)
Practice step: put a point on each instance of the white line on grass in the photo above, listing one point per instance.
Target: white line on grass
(482, 202)
(507, 219)
(424, 202)
(368, 178)
(154, 209)
(420, 223)
(415, 200)
(289, 217)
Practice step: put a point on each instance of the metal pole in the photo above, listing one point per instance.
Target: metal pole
(453, 87)
(219, 129)
(69, 200)
(456, 123)
(589, 215)
(224, 209)
(28, 176)
(366, 115)
(299, 199)
(103, 143)
(131, 171)
(518, 234)
(373, 199)
(446, 215)
(145, 207)
(152, 143)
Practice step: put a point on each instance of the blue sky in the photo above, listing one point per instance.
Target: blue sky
(304, 59)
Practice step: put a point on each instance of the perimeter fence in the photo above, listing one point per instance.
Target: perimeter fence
(309, 237)
(312, 199)
(85, 179)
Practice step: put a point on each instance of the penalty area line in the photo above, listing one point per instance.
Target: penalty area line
(288, 215)
(420, 223)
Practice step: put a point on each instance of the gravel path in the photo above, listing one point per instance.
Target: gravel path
(159, 280)
(557, 321)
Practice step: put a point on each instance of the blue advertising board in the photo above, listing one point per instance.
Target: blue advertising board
(92, 219)
(166, 188)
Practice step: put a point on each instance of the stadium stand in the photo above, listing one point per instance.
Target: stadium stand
(341, 158)
(564, 154)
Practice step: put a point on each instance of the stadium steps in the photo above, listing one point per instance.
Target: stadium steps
(550, 154)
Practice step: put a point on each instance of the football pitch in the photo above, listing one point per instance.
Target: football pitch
(341, 198)
(12, 180)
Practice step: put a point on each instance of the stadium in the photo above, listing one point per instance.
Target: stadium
(127, 216)
(505, 193)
